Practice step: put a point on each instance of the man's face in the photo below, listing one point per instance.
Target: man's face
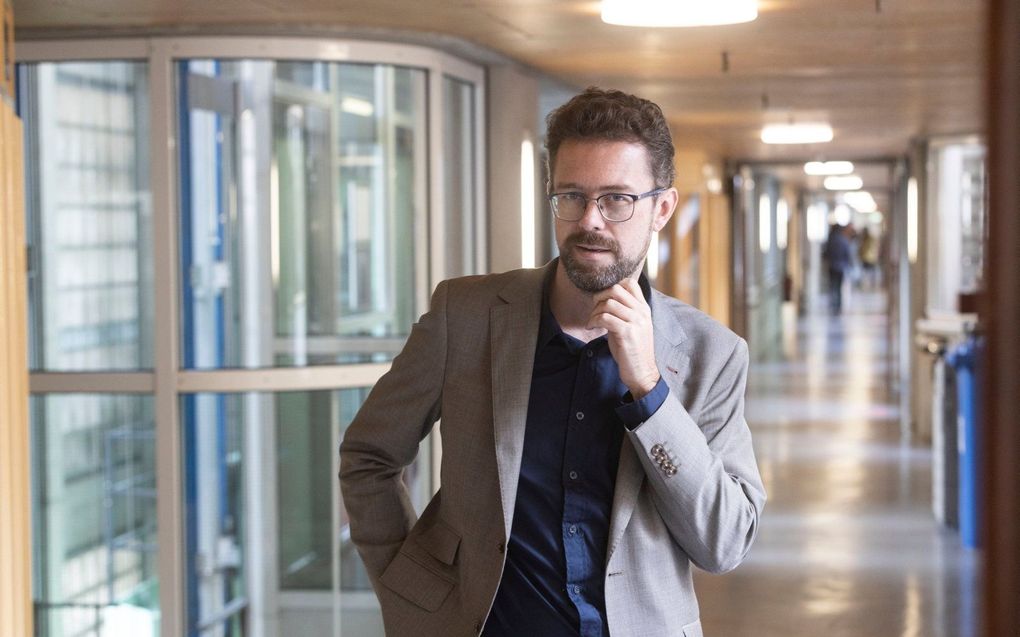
(597, 254)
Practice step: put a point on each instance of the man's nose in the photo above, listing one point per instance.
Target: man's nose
(592, 218)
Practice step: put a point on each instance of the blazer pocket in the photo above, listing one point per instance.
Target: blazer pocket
(440, 541)
(693, 629)
(416, 583)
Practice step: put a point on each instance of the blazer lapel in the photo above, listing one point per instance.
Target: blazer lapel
(674, 366)
(513, 330)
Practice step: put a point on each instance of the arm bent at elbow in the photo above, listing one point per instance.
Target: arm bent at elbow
(383, 439)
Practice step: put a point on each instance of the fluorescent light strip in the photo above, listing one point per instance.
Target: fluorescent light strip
(843, 182)
(678, 13)
(861, 200)
(764, 223)
(817, 222)
(782, 223)
(527, 204)
(652, 257)
(805, 133)
(842, 214)
(912, 219)
(357, 106)
(828, 168)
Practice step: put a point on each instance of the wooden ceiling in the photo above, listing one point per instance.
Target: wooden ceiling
(880, 71)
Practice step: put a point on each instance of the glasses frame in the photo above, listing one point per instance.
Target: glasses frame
(598, 202)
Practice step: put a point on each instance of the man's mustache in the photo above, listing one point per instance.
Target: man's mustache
(592, 239)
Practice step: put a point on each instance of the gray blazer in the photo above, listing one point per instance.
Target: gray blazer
(687, 488)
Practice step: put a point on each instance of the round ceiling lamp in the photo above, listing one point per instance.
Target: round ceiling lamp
(678, 13)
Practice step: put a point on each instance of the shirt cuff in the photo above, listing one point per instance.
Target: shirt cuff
(634, 412)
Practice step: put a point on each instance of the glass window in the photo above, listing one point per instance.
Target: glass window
(303, 217)
(88, 205)
(302, 430)
(94, 515)
(213, 444)
(958, 214)
(300, 200)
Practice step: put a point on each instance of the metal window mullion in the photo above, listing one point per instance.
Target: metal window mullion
(91, 382)
(169, 474)
(260, 478)
(280, 379)
(47, 152)
(83, 50)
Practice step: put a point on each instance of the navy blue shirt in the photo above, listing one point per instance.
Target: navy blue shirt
(553, 581)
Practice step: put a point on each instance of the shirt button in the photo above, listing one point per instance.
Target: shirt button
(573, 475)
(577, 590)
(579, 415)
(573, 529)
(590, 353)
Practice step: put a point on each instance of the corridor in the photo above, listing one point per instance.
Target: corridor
(848, 544)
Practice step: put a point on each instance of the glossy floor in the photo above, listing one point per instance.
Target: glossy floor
(848, 545)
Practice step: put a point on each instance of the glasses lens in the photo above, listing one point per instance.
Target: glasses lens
(568, 206)
(616, 207)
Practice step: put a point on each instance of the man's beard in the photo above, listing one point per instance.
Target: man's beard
(590, 278)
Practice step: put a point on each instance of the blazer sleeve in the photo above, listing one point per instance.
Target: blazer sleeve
(704, 478)
(383, 439)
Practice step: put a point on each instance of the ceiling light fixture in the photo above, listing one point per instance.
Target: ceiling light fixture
(357, 106)
(843, 182)
(828, 168)
(803, 133)
(678, 13)
(861, 200)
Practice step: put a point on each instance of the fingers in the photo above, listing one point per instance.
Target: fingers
(632, 286)
(625, 315)
(620, 302)
(607, 321)
(625, 300)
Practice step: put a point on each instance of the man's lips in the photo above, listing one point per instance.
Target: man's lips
(590, 245)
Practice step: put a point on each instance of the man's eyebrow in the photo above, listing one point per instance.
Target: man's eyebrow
(571, 186)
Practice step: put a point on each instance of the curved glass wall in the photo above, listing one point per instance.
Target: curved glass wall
(227, 249)
(89, 216)
(94, 514)
(318, 162)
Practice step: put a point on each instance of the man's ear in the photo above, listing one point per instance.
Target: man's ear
(665, 205)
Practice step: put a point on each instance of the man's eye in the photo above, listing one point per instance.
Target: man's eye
(617, 198)
(572, 197)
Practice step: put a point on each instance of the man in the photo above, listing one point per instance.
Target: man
(594, 443)
(838, 253)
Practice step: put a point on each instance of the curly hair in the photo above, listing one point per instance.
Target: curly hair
(610, 115)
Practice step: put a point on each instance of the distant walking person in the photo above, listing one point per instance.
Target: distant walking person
(837, 253)
(868, 253)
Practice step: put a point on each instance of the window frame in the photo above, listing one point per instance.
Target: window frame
(167, 381)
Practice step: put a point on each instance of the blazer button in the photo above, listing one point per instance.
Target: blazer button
(478, 627)
(502, 547)
(657, 450)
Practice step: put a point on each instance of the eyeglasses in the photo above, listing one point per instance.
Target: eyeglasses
(613, 206)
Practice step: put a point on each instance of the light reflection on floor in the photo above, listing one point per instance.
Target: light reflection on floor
(848, 545)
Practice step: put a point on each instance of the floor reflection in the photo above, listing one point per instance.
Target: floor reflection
(848, 544)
